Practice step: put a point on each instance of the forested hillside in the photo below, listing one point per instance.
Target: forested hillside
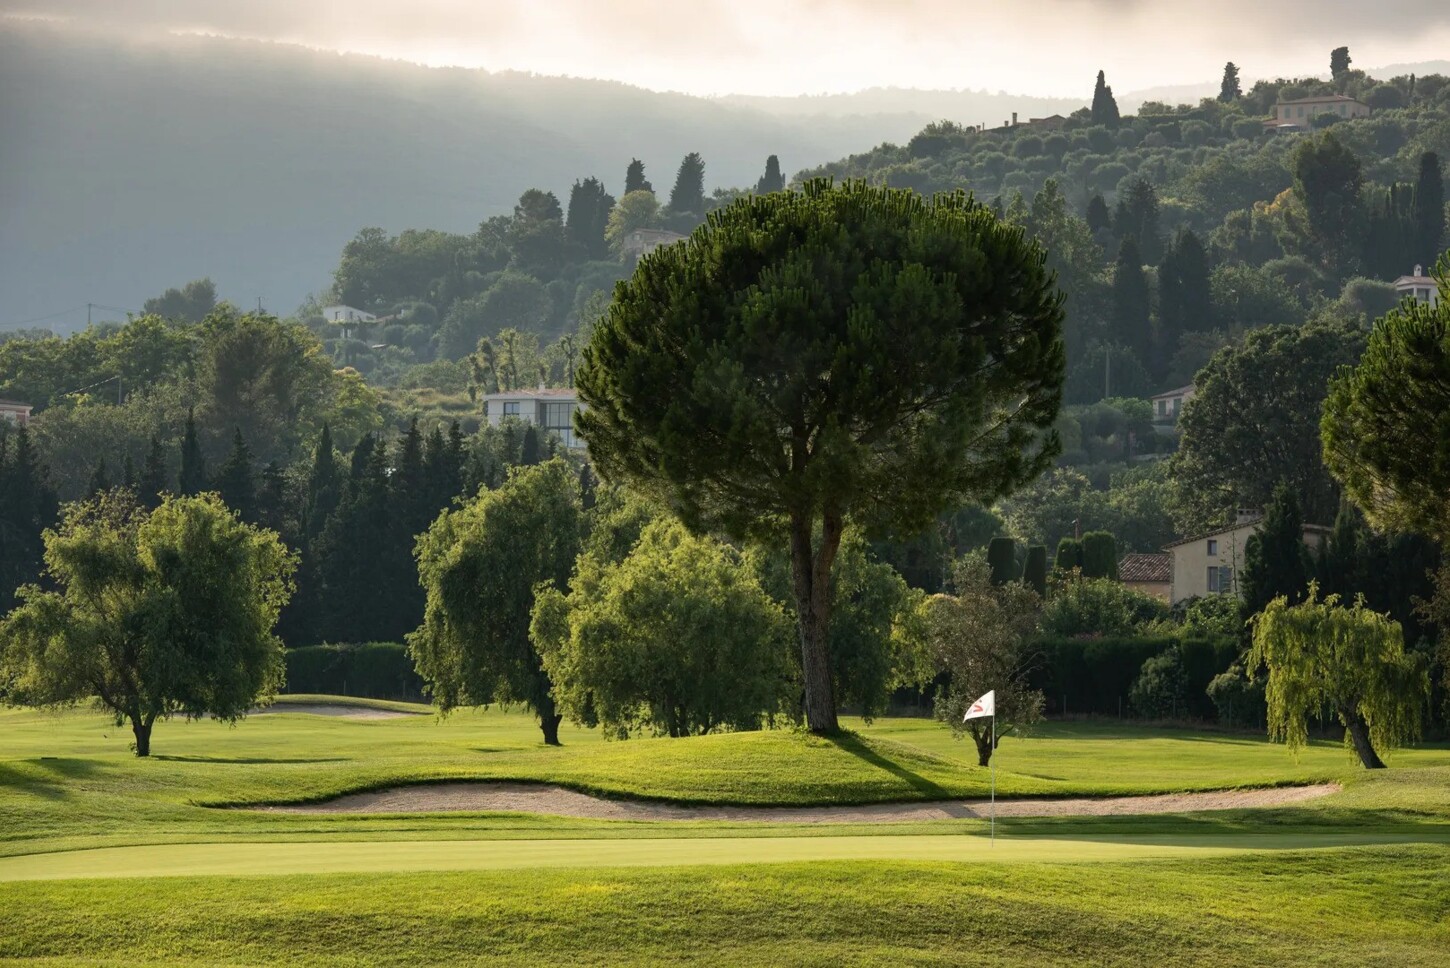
(127, 164)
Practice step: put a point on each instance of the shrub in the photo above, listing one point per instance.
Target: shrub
(1069, 555)
(1214, 616)
(1237, 700)
(1099, 555)
(1160, 686)
(372, 670)
(1098, 676)
(1101, 607)
(1034, 570)
(1002, 559)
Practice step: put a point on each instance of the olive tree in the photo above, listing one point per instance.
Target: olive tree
(677, 638)
(809, 357)
(481, 566)
(153, 613)
(981, 637)
(1350, 659)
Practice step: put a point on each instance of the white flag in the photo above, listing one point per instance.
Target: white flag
(982, 708)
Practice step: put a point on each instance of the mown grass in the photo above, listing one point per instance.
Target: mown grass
(67, 780)
(1370, 905)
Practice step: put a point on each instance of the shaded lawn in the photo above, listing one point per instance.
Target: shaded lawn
(1368, 905)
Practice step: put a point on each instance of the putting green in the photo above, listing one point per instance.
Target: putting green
(232, 859)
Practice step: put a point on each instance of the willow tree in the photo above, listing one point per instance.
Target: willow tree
(1351, 660)
(831, 353)
(1386, 424)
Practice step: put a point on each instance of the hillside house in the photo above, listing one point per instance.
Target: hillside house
(1168, 405)
(15, 413)
(641, 242)
(1210, 564)
(348, 320)
(1419, 287)
(1300, 111)
(1149, 574)
(551, 408)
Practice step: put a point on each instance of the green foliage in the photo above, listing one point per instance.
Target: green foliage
(1100, 606)
(1328, 177)
(1161, 686)
(1104, 109)
(155, 613)
(27, 508)
(190, 304)
(1096, 676)
(980, 637)
(481, 566)
(1099, 555)
(772, 180)
(1384, 423)
(1034, 569)
(688, 195)
(1276, 562)
(677, 639)
(1349, 659)
(1069, 555)
(691, 399)
(589, 209)
(375, 670)
(1237, 699)
(1230, 90)
(1214, 616)
(636, 210)
(1002, 560)
(1252, 425)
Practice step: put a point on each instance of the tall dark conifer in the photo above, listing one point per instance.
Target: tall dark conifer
(1276, 561)
(1229, 89)
(688, 195)
(772, 180)
(153, 480)
(100, 481)
(192, 477)
(1098, 216)
(1429, 210)
(1104, 106)
(236, 481)
(1132, 306)
(588, 216)
(634, 180)
(27, 507)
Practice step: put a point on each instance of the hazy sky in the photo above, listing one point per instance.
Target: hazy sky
(815, 46)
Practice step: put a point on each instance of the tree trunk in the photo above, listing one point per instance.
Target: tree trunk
(811, 576)
(549, 720)
(141, 729)
(984, 749)
(1359, 736)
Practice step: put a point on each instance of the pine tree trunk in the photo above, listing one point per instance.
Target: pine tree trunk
(1359, 736)
(811, 575)
(984, 749)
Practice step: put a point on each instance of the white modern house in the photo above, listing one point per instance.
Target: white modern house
(551, 408)
(1168, 405)
(1419, 286)
(1210, 564)
(641, 242)
(15, 413)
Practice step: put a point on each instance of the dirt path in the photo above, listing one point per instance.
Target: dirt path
(533, 798)
(338, 710)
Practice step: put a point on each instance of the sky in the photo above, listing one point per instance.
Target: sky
(789, 47)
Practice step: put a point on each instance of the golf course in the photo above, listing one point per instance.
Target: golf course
(201, 853)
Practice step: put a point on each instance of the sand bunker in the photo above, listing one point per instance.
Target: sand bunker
(557, 801)
(337, 710)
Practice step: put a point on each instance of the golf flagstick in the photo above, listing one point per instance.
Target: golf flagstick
(986, 708)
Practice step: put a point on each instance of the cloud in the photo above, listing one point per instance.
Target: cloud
(812, 46)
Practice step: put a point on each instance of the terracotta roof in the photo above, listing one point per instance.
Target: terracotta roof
(1173, 393)
(1146, 568)
(1322, 99)
(16, 403)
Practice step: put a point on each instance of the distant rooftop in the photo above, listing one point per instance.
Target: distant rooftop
(1146, 568)
(538, 393)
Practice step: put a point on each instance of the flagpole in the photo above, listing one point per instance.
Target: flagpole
(993, 761)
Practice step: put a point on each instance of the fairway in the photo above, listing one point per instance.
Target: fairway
(110, 860)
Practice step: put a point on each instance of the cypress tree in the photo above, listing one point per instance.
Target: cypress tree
(100, 481)
(588, 216)
(324, 486)
(27, 507)
(1002, 559)
(1069, 555)
(235, 481)
(272, 510)
(128, 474)
(1136, 217)
(1275, 559)
(409, 482)
(1229, 89)
(1099, 555)
(1098, 216)
(1104, 106)
(1339, 61)
(1429, 209)
(1132, 302)
(192, 478)
(153, 475)
(1034, 569)
(772, 180)
(634, 180)
(1185, 299)
(688, 195)
(529, 453)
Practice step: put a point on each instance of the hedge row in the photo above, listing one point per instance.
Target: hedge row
(371, 670)
(1094, 676)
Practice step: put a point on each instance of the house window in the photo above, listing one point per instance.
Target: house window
(559, 417)
(1220, 579)
(1162, 408)
(511, 409)
(1213, 546)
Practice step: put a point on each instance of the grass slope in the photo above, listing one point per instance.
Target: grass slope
(1373, 905)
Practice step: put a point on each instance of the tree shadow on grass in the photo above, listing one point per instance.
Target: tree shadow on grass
(246, 759)
(853, 744)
